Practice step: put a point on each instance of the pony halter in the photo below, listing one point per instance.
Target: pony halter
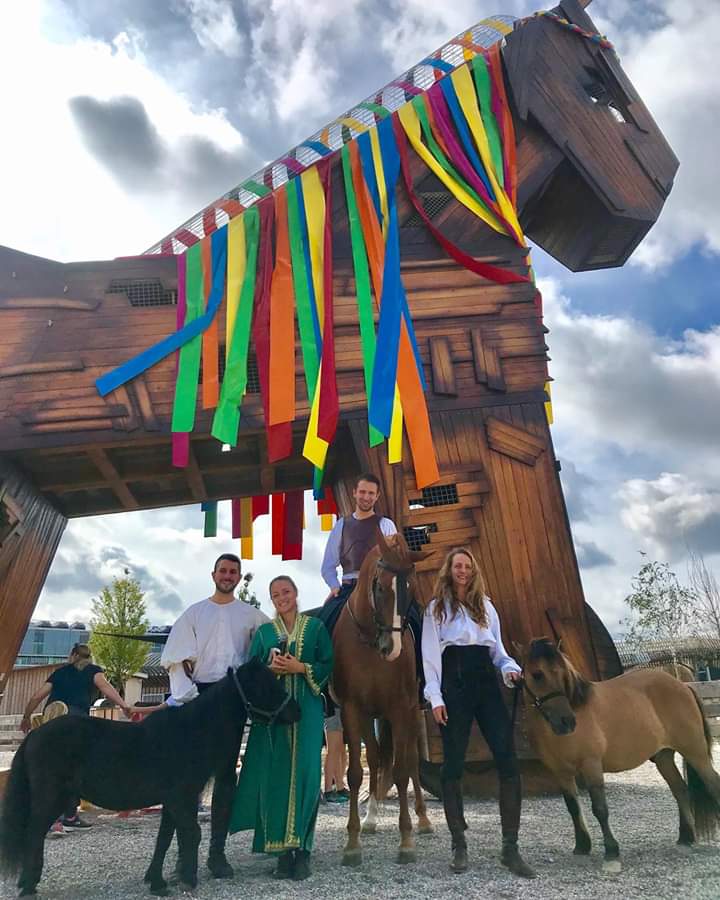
(267, 715)
(538, 702)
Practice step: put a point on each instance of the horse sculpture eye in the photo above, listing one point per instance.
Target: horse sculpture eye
(537, 676)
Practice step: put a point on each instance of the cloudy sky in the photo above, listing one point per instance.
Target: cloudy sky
(122, 119)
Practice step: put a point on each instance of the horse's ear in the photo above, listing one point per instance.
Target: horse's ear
(519, 649)
(382, 543)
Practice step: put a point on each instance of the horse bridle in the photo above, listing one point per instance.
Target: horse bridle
(401, 595)
(539, 702)
(268, 715)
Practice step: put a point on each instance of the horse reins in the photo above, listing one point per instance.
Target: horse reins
(268, 715)
(379, 625)
(538, 702)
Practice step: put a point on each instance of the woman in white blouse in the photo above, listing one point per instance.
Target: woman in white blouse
(461, 647)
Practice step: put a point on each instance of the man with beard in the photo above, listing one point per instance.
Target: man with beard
(349, 543)
(207, 639)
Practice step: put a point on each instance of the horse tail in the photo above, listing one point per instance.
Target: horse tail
(15, 815)
(385, 759)
(705, 807)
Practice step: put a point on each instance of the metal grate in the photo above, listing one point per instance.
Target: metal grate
(442, 495)
(253, 376)
(434, 202)
(418, 535)
(143, 292)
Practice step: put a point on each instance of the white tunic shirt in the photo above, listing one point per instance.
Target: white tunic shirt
(459, 631)
(214, 636)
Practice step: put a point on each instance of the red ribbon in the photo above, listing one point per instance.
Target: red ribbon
(293, 525)
(329, 407)
(492, 273)
(279, 437)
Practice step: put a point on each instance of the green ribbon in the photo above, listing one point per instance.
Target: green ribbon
(210, 527)
(483, 87)
(186, 383)
(226, 420)
(311, 360)
(362, 287)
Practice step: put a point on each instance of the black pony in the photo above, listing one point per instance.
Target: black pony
(166, 759)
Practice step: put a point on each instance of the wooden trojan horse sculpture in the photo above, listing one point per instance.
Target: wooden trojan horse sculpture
(418, 198)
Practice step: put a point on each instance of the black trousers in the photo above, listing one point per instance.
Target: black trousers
(223, 793)
(471, 691)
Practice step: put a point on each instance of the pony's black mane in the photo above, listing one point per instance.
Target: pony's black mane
(578, 687)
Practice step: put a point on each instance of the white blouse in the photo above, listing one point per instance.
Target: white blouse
(459, 631)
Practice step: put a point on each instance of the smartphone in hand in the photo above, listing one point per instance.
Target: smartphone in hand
(283, 645)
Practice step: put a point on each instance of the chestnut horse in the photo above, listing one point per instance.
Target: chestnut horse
(374, 678)
(587, 728)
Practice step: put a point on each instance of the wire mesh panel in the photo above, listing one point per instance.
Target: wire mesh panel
(144, 292)
(434, 202)
(418, 535)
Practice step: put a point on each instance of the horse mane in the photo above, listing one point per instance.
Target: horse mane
(577, 687)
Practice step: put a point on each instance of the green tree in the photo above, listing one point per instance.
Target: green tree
(660, 608)
(120, 609)
(244, 592)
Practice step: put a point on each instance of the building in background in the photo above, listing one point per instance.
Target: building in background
(47, 642)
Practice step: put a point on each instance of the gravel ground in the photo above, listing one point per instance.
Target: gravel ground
(109, 860)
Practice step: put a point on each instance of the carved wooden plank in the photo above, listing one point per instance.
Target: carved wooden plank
(144, 401)
(84, 413)
(61, 365)
(48, 303)
(443, 372)
(513, 441)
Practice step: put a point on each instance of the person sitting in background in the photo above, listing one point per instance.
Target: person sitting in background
(73, 684)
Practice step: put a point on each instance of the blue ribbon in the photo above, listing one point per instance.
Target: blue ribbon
(173, 342)
(308, 264)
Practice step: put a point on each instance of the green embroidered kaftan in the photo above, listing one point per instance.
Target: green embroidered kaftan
(279, 786)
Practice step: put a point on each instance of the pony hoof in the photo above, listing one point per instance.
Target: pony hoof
(368, 828)
(352, 858)
(581, 851)
(425, 828)
(611, 867)
(159, 891)
(28, 892)
(406, 855)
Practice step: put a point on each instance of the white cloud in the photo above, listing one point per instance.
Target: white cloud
(213, 22)
(65, 204)
(673, 512)
(618, 384)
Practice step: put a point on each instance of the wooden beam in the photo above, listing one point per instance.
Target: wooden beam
(102, 461)
(48, 303)
(68, 365)
(194, 477)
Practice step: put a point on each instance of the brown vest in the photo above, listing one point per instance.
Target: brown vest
(358, 538)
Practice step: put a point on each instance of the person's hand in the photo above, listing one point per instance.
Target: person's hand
(286, 665)
(512, 679)
(188, 665)
(440, 715)
(333, 593)
(25, 724)
(128, 710)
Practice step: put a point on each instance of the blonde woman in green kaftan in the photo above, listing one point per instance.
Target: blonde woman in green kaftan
(279, 787)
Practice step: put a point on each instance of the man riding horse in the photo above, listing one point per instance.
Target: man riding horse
(349, 542)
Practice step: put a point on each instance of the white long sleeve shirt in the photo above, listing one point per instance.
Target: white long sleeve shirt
(214, 636)
(331, 559)
(459, 631)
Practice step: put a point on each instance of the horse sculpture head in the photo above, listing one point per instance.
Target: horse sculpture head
(595, 170)
(553, 684)
(262, 694)
(386, 585)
